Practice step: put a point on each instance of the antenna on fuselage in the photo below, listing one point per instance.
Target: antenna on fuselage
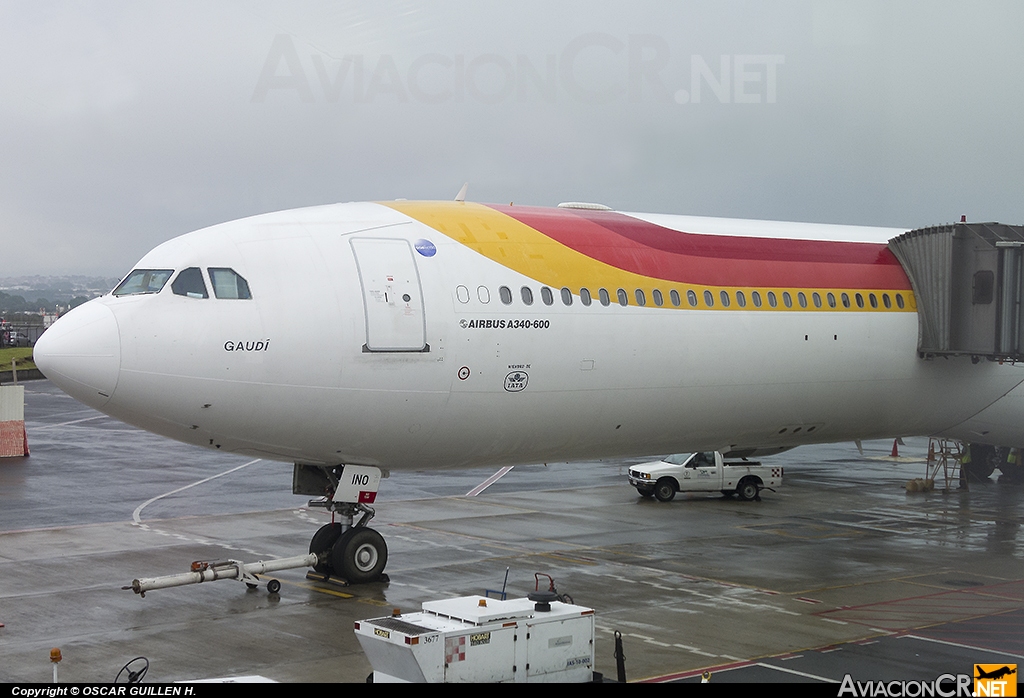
(461, 196)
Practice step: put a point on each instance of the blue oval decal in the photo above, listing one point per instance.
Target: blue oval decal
(425, 247)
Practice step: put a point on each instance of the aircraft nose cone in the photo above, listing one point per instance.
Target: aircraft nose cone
(81, 353)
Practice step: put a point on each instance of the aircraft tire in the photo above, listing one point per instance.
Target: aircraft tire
(360, 555)
(323, 541)
(747, 489)
(665, 489)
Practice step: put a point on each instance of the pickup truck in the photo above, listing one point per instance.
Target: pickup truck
(704, 471)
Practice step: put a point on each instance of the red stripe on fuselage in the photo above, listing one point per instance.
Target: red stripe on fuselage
(715, 260)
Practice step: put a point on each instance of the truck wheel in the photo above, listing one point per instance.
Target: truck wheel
(665, 489)
(646, 492)
(747, 489)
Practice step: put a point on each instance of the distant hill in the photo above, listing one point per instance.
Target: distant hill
(27, 294)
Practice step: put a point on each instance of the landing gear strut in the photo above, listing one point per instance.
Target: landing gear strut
(347, 548)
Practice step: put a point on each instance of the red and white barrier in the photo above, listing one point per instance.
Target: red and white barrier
(13, 439)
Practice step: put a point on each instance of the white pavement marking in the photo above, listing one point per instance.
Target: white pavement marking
(797, 673)
(137, 514)
(489, 481)
(64, 424)
(966, 647)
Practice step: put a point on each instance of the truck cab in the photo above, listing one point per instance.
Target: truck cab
(704, 471)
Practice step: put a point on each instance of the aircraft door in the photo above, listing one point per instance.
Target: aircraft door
(392, 297)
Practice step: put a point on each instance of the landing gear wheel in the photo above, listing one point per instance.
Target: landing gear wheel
(360, 555)
(273, 586)
(323, 541)
(665, 489)
(747, 490)
(645, 492)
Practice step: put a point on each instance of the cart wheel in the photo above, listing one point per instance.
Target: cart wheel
(273, 586)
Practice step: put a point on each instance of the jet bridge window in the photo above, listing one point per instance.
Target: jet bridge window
(228, 284)
(189, 282)
(141, 281)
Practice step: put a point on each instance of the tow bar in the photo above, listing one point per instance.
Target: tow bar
(203, 571)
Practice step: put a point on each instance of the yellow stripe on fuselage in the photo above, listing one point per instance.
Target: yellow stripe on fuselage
(523, 249)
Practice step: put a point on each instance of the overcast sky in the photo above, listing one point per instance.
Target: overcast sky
(123, 124)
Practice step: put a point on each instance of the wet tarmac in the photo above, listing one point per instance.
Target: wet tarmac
(839, 572)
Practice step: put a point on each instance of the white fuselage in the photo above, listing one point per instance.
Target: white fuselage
(328, 363)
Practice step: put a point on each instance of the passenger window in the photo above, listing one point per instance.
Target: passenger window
(641, 299)
(787, 299)
(691, 298)
(899, 301)
(831, 300)
(506, 295)
(527, 294)
(846, 301)
(816, 297)
(709, 300)
(605, 298)
(566, 296)
(141, 281)
(461, 292)
(483, 294)
(658, 299)
(885, 300)
(756, 297)
(860, 300)
(547, 296)
(771, 299)
(674, 295)
(801, 299)
(190, 283)
(724, 295)
(873, 300)
(623, 298)
(585, 296)
(741, 299)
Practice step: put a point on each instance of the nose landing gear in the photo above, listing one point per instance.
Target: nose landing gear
(347, 549)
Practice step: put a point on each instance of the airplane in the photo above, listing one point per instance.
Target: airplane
(995, 673)
(356, 339)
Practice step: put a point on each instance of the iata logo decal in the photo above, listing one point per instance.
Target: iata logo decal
(516, 381)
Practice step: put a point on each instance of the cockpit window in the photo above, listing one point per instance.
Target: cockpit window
(190, 283)
(141, 281)
(228, 284)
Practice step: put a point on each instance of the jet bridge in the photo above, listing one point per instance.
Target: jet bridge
(968, 279)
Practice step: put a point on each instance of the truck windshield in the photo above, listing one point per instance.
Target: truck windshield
(677, 458)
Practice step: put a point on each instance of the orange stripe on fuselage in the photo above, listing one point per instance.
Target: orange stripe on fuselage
(561, 248)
